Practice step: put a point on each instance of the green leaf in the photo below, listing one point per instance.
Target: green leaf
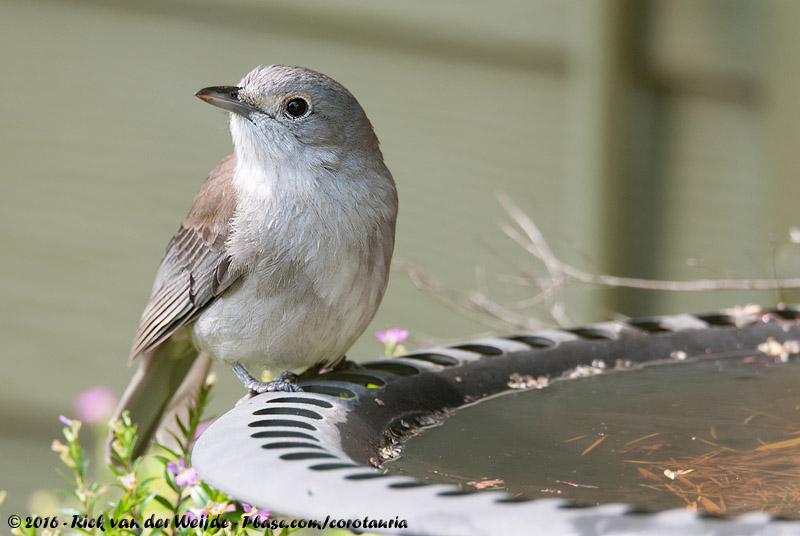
(175, 454)
(66, 476)
(200, 496)
(163, 502)
(116, 470)
(183, 428)
(176, 438)
(169, 479)
(163, 460)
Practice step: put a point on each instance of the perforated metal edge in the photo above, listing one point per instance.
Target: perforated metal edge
(329, 469)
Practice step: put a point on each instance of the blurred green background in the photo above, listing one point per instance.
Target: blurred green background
(648, 132)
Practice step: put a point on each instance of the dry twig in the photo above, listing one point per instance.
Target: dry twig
(477, 305)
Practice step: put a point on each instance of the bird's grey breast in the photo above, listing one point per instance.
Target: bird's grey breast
(306, 232)
(316, 262)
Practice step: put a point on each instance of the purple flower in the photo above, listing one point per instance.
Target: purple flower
(95, 404)
(392, 336)
(194, 515)
(64, 420)
(183, 476)
(258, 515)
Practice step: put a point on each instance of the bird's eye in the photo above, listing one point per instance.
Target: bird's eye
(296, 107)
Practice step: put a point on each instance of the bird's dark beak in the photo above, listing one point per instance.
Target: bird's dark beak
(227, 98)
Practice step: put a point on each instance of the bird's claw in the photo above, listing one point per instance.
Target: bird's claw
(285, 383)
(257, 388)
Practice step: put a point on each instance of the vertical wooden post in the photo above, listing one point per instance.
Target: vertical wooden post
(602, 63)
(782, 129)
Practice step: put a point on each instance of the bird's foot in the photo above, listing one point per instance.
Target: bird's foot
(286, 382)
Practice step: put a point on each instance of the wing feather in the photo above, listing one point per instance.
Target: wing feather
(196, 267)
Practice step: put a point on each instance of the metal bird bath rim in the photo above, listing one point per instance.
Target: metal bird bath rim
(318, 452)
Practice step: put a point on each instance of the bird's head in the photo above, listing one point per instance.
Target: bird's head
(287, 114)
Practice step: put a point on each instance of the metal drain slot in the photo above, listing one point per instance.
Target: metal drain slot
(282, 434)
(297, 412)
(366, 476)
(298, 400)
(718, 320)
(290, 445)
(651, 326)
(787, 314)
(333, 466)
(365, 380)
(457, 493)
(281, 422)
(533, 341)
(482, 349)
(330, 390)
(397, 369)
(306, 456)
(436, 359)
(592, 334)
(409, 485)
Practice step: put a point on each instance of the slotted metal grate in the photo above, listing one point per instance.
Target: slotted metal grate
(317, 453)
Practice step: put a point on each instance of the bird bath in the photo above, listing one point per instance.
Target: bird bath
(561, 429)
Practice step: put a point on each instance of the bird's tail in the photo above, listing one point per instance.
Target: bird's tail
(166, 383)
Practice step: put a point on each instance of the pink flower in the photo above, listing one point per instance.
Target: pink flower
(392, 336)
(183, 476)
(95, 404)
(194, 514)
(257, 515)
(202, 426)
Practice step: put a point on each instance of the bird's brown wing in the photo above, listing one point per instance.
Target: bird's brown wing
(195, 268)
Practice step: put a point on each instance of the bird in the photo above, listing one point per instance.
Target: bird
(284, 256)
